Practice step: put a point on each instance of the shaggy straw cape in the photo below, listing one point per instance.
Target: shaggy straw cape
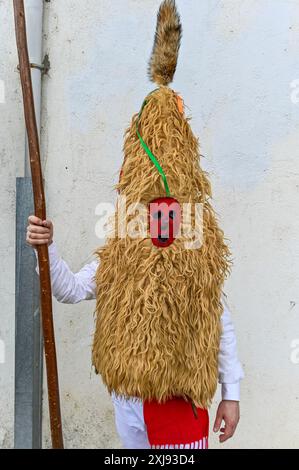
(158, 311)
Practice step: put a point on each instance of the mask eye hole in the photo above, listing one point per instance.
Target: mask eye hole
(157, 215)
(172, 214)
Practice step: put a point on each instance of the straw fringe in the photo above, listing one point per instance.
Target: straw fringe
(158, 310)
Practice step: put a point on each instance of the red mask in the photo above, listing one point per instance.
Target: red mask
(164, 221)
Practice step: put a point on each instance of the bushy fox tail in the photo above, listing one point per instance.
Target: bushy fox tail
(164, 56)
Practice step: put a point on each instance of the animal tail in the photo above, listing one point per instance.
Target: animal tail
(166, 47)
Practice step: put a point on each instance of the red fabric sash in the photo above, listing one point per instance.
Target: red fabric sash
(175, 422)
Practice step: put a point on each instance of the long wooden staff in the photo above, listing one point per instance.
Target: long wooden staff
(40, 211)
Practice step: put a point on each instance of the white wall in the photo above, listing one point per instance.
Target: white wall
(237, 60)
(11, 151)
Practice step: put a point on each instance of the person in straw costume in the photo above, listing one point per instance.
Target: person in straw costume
(163, 334)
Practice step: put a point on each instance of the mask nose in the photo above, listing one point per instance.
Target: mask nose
(165, 224)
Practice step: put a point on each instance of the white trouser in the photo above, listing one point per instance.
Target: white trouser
(130, 423)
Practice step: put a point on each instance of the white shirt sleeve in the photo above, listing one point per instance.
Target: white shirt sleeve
(230, 371)
(69, 287)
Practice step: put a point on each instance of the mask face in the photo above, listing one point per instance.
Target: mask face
(164, 221)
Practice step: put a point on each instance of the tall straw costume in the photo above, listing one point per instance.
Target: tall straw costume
(158, 310)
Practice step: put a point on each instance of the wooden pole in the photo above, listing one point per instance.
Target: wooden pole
(40, 211)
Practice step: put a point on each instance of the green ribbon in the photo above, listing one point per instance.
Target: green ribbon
(150, 154)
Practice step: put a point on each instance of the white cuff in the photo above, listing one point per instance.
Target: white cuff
(53, 252)
(52, 249)
(231, 391)
(53, 256)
